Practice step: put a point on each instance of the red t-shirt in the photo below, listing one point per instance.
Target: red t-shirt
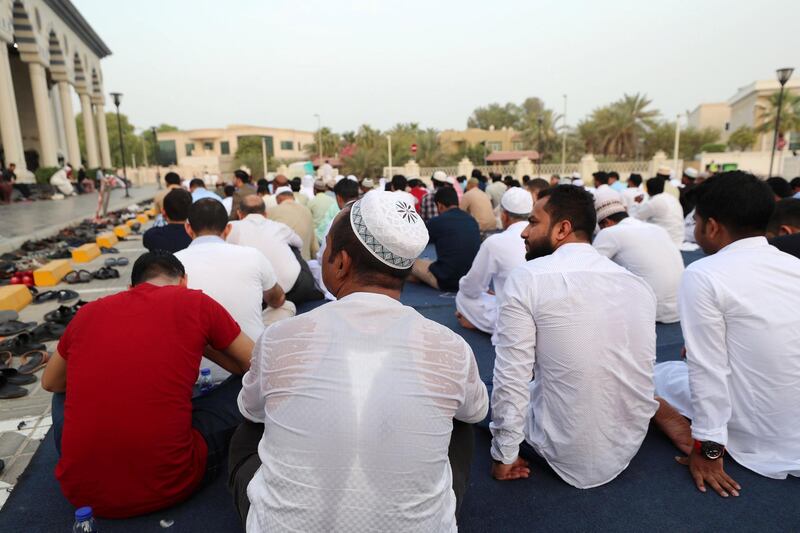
(128, 446)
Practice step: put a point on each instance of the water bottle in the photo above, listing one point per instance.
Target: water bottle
(205, 381)
(84, 522)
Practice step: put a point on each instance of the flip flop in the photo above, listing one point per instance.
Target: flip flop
(62, 315)
(9, 390)
(12, 327)
(46, 296)
(12, 374)
(66, 295)
(110, 262)
(47, 331)
(122, 261)
(106, 273)
(111, 250)
(22, 343)
(33, 361)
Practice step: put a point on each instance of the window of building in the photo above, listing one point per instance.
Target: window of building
(189, 148)
(166, 153)
(208, 146)
(225, 147)
(287, 145)
(727, 126)
(516, 145)
(494, 146)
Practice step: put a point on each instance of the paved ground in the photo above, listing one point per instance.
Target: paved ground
(35, 220)
(25, 421)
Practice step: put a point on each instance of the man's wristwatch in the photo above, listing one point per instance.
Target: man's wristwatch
(709, 449)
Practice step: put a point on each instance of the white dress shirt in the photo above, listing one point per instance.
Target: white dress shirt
(498, 255)
(663, 210)
(740, 316)
(646, 250)
(273, 239)
(358, 399)
(585, 327)
(629, 196)
(235, 277)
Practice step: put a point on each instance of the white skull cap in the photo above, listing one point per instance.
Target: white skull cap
(517, 201)
(389, 227)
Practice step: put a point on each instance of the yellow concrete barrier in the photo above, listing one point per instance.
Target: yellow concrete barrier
(122, 231)
(107, 240)
(14, 297)
(52, 273)
(131, 222)
(85, 253)
(151, 212)
(142, 218)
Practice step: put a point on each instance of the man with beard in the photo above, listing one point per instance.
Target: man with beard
(585, 327)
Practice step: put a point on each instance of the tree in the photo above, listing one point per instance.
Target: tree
(331, 143)
(790, 114)
(618, 128)
(538, 123)
(743, 138)
(250, 153)
(693, 141)
(660, 137)
(499, 116)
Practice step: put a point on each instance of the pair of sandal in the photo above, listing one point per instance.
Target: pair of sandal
(108, 250)
(106, 272)
(62, 296)
(12, 326)
(116, 261)
(78, 276)
(12, 377)
(64, 314)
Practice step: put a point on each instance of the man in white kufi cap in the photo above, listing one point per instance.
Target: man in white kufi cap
(346, 403)
(499, 254)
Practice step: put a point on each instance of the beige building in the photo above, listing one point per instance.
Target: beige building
(213, 150)
(716, 116)
(750, 103)
(504, 139)
(47, 52)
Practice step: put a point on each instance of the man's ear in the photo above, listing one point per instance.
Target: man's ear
(184, 281)
(563, 230)
(226, 231)
(188, 228)
(787, 230)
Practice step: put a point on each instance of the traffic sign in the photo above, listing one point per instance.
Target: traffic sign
(414, 148)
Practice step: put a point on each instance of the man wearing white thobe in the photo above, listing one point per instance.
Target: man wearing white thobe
(499, 254)
(585, 327)
(739, 384)
(646, 250)
(661, 209)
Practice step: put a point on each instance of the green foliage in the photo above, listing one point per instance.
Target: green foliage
(618, 129)
(499, 116)
(743, 138)
(713, 147)
(693, 141)
(331, 143)
(790, 113)
(142, 145)
(43, 174)
(249, 153)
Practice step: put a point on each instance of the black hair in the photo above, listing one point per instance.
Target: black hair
(613, 174)
(296, 184)
(600, 177)
(415, 182)
(242, 175)
(616, 217)
(258, 208)
(347, 189)
(156, 263)
(795, 183)
(262, 181)
(573, 203)
(230, 190)
(737, 200)
(196, 182)
(446, 196)
(655, 185)
(476, 173)
(367, 268)
(208, 215)
(537, 184)
(787, 213)
(263, 188)
(780, 187)
(636, 179)
(495, 178)
(172, 178)
(515, 183)
(399, 182)
(508, 180)
(176, 204)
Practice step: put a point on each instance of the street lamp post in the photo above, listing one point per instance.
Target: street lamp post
(539, 122)
(783, 76)
(155, 156)
(677, 144)
(117, 99)
(319, 137)
(564, 141)
(389, 148)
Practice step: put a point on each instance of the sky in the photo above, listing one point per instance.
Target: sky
(277, 63)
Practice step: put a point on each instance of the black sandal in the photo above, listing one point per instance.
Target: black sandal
(12, 327)
(46, 296)
(106, 273)
(47, 331)
(9, 390)
(22, 343)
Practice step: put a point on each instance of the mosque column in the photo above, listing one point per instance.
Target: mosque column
(102, 131)
(70, 128)
(92, 157)
(48, 151)
(9, 117)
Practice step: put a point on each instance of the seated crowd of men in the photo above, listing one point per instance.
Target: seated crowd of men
(359, 414)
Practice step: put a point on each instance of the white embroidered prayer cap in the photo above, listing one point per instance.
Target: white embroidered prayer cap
(283, 190)
(389, 227)
(608, 206)
(517, 201)
(690, 173)
(439, 176)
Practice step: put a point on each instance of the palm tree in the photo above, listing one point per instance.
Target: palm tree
(628, 120)
(790, 114)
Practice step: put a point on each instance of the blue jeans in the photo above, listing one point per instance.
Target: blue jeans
(215, 416)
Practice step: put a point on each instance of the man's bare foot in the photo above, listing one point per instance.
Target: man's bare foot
(464, 322)
(674, 425)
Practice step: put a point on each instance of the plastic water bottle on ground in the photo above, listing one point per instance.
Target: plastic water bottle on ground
(205, 381)
(84, 522)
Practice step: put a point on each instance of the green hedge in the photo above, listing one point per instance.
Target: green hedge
(713, 147)
(43, 174)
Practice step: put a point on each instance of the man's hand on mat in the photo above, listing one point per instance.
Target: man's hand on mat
(516, 470)
(711, 472)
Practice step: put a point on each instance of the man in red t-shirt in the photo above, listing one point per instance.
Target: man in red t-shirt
(134, 441)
